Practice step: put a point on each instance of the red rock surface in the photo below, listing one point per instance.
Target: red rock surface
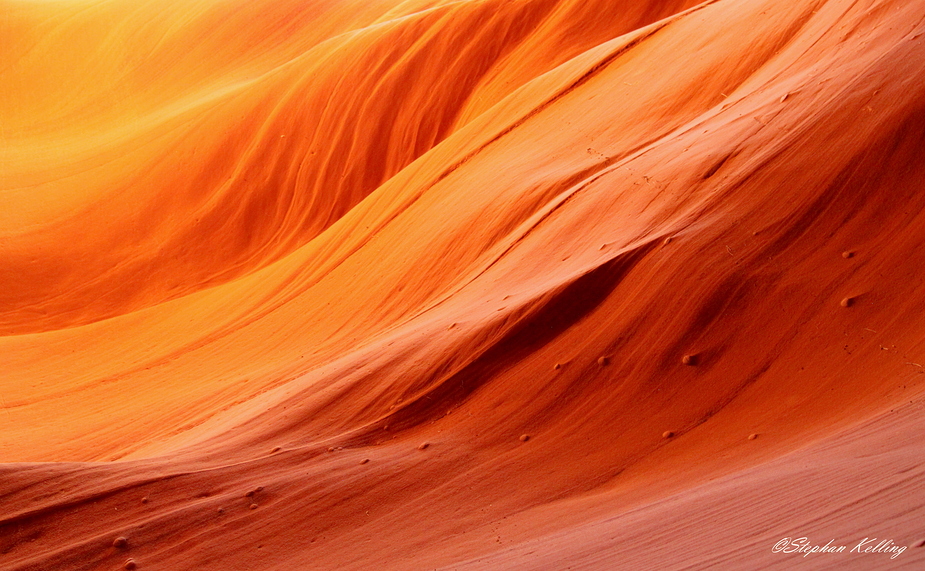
(529, 284)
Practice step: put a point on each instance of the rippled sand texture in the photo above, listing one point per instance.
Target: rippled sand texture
(477, 284)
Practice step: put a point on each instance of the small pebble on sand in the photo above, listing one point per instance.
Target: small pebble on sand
(668, 434)
(847, 302)
(524, 437)
(423, 445)
(603, 361)
(120, 542)
(689, 360)
(752, 436)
